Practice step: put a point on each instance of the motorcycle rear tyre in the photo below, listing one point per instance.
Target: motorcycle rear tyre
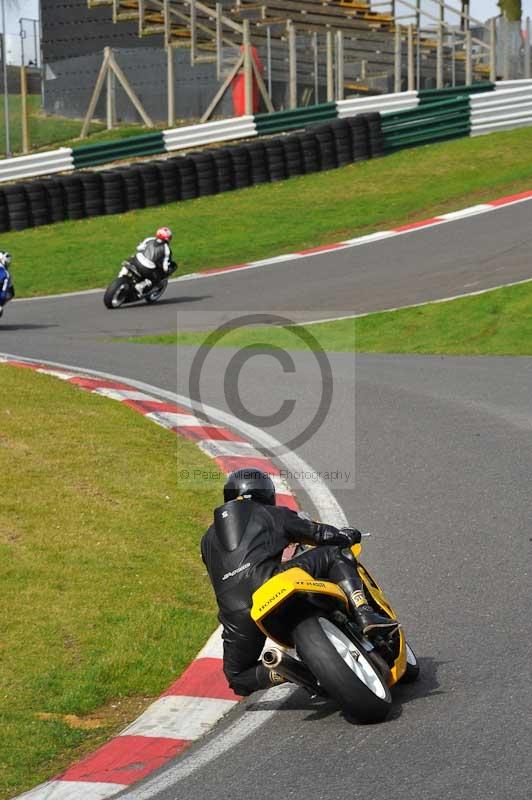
(336, 677)
(156, 293)
(117, 293)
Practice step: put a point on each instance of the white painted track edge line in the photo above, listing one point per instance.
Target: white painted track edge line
(415, 305)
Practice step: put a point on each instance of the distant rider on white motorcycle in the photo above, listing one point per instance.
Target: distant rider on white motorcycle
(153, 260)
(7, 290)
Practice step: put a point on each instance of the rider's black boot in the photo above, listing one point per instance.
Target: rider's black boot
(370, 622)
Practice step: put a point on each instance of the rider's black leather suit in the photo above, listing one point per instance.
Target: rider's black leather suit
(241, 550)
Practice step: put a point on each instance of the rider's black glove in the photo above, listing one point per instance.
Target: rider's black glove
(345, 537)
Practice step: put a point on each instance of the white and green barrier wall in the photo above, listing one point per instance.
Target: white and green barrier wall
(311, 139)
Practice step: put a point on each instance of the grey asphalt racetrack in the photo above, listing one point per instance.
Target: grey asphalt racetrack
(437, 452)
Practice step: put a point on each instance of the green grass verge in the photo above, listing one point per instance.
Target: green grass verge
(104, 596)
(48, 130)
(277, 218)
(495, 323)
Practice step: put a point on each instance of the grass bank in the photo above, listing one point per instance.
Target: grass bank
(277, 218)
(104, 597)
(49, 130)
(498, 322)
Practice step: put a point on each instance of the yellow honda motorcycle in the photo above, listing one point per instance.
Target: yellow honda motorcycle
(332, 657)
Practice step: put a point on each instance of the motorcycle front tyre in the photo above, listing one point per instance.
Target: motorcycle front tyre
(156, 293)
(342, 670)
(117, 293)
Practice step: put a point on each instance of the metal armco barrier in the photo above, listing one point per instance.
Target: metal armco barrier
(146, 145)
(505, 109)
(399, 101)
(429, 122)
(433, 95)
(208, 132)
(12, 169)
(294, 119)
(500, 106)
(93, 193)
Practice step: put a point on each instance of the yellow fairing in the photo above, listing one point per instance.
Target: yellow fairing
(372, 588)
(279, 588)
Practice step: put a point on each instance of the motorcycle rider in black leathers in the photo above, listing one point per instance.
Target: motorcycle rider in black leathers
(243, 548)
(153, 260)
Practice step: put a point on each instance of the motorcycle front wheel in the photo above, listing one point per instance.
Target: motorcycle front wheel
(156, 293)
(117, 293)
(343, 670)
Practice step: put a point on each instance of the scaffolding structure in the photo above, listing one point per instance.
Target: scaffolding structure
(325, 49)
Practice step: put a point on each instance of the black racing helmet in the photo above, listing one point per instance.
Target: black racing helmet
(251, 484)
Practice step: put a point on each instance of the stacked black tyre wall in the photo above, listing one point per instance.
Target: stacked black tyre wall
(293, 155)
(188, 179)
(223, 165)
(114, 196)
(376, 136)
(206, 172)
(275, 158)
(165, 181)
(327, 146)
(93, 193)
(241, 166)
(359, 130)
(38, 204)
(310, 150)
(4, 214)
(258, 163)
(343, 143)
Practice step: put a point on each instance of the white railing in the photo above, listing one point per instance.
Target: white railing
(502, 110)
(207, 132)
(11, 169)
(399, 101)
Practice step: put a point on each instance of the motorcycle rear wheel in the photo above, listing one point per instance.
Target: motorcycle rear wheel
(117, 293)
(156, 293)
(343, 669)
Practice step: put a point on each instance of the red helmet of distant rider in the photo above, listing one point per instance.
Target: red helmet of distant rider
(164, 234)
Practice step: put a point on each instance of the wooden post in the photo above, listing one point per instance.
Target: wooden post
(219, 43)
(24, 109)
(269, 59)
(170, 83)
(223, 88)
(109, 65)
(126, 86)
(265, 95)
(330, 67)
(110, 115)
(410, 58)
(468, 58)
(397, 59)
(526, 49)
(453, 59)
(292, 65)
(97, 92)
(192, 32)
(439, 58)
(493, 50)
(339, 65)
(248, 70)
(316, 67)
